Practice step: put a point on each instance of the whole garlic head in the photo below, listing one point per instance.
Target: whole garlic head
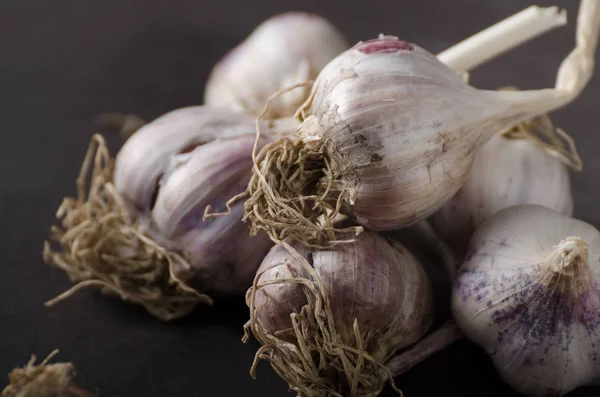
(284, 50)
(529, 294)
(370, 296)
(505, 172)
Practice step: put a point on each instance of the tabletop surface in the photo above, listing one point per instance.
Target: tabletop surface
(62, 62)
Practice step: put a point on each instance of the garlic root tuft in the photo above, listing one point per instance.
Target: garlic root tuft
(278, 202)
(101, 246)
(43, 380)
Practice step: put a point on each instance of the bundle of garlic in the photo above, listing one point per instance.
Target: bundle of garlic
(142, 236)
(529, 294)
(284, 50)
(329, 320)
(388, 134)
(505, 172)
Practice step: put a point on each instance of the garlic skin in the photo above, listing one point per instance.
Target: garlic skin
(376, 282)
(529, 294)
(505, 172)
(284, 50)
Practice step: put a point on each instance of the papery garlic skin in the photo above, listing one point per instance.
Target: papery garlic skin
(374, 280)
(505, 172)
(284, 50)
(529, 294)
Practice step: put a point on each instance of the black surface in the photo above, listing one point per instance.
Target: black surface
(63, 62)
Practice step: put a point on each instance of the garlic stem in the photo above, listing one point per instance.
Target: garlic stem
(445, 252)
(425, 348)
(573, 74)
(567, 267)
(502, 36)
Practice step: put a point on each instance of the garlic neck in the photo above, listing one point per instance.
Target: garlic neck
(566, 267)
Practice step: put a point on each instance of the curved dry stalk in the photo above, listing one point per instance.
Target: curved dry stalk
(447, 255)
(436, 341)
(44, 380)
(100, 245)
(290, 193)
(319, 362)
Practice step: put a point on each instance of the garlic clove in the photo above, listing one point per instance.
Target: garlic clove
(529, 294)
(209, 175)
(148, 153)
(284, 50)
(505, 172)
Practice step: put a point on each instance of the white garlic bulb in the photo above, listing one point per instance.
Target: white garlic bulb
(284, 50)
(505, 172)
(529, 294)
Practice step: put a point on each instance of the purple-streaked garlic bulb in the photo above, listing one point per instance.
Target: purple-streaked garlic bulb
(284, 50)
(529, 294)
(396, 132)
(329, 320)
(144, 237)
(505, 172)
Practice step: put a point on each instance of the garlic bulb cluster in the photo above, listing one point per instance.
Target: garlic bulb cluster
(529, 294)
(284, 50)
(505, 172)
(144, 237)
(329, 319)
(397, 132)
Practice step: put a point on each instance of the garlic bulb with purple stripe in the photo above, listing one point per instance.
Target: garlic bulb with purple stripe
(529, 294)
(329, 320)
(143, 236)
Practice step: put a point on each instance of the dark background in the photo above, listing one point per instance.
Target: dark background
(63, 62)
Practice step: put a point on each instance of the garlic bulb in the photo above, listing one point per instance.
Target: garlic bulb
(284, 50)
(396, 132)
(144, 237)
(505, 172)
(328, 319)
(529, 294)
